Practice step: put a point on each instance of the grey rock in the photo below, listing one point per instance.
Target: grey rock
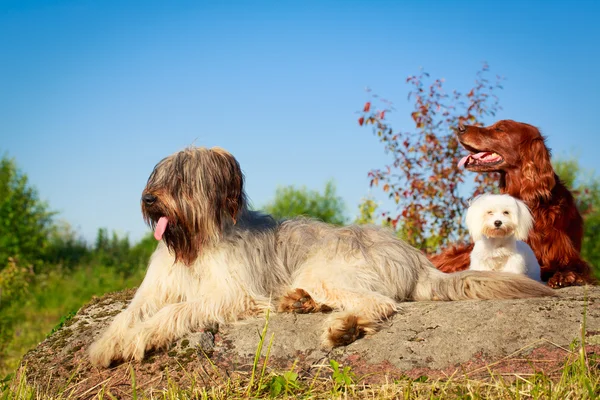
(435, 339)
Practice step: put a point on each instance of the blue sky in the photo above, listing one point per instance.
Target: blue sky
(94, 93)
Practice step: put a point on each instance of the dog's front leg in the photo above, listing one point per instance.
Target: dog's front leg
(167, 325)
(109, 346)
(147, 301)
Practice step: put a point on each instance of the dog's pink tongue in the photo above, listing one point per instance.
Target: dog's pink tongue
(477, 156)
(463, 161)
(161, 226)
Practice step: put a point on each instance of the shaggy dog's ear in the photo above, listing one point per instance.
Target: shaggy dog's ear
(227, 189)
(475, 218)
(536, 171)
(524, 221)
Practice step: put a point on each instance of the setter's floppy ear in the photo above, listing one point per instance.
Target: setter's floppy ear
(228, 182)
(537, 174)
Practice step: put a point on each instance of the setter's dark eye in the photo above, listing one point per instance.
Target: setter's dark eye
(499, 129)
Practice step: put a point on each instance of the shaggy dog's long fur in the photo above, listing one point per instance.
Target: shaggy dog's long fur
(218, 262)
(518, 152)
(498, 224)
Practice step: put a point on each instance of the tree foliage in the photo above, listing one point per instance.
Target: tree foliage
(66, 247)
(115, 251)
(14, 283)
(68, 250)
(25, 220)
(586, 189)
(423, 178)
(366, 212)
(291, 202)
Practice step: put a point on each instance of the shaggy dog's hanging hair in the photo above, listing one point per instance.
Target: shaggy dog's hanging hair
(218, 262)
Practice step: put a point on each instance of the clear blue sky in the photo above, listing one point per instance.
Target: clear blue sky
(94, 93)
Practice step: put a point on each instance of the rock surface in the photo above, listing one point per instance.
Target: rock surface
(435, 339)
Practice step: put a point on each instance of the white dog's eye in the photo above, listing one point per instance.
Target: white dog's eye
(505, 213)
(490, 213)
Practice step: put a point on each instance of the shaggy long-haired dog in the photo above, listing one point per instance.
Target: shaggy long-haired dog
(218, 261)
(498, 224)
(518, 152)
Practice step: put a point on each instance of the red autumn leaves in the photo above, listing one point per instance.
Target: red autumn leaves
(423, 178)
(366, 109)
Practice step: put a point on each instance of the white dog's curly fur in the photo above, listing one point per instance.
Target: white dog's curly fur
(499, 224)
(218, 262)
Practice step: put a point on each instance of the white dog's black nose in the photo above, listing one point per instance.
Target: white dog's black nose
(497, 223)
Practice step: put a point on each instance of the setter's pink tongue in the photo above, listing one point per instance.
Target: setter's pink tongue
(485, 156)
(463, 160)
(161, 226)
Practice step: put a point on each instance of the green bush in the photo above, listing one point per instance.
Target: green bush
(14, 283)
(66, 247)
(586, 189)
(291, 202)
(116, 252)
(25, 221)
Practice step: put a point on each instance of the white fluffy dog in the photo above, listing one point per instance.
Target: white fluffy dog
(499, 224)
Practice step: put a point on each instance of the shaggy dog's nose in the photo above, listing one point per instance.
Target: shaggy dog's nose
(497, 223)
(461, 128)
(148, 199)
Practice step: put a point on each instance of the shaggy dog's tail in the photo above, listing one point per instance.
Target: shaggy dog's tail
(482, 285)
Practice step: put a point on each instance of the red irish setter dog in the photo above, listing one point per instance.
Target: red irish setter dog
(518, 152)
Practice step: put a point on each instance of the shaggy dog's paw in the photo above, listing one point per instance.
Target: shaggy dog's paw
(346, 329)
(142, 339)
(564, 279)
(299, 301)
(103, 351)
(135, 345)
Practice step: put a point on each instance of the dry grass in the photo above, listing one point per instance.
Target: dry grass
(578, 380)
